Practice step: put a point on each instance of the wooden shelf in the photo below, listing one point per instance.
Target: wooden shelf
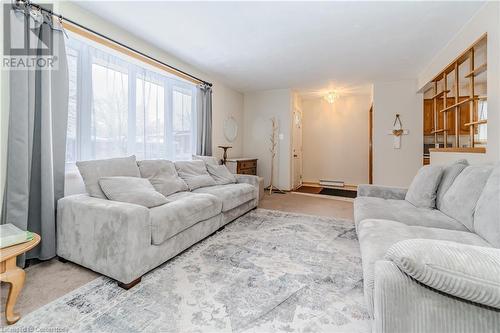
(448, 108)
(477, 71)
(440, 94)
(477, 150)
(479, 122)
(438, 131)
(481, 98)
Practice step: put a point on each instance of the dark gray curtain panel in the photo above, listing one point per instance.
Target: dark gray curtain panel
(204, 144)
(38, 114)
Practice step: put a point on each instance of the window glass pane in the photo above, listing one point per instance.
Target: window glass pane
(182, 124)
(110, 112)
(72, 132)
(150, 120)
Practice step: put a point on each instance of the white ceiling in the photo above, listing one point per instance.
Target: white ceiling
(305, 46)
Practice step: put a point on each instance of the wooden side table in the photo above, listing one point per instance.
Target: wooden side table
(13, 275)
(243, 166)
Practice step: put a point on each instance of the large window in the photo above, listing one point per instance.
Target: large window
(119, 107)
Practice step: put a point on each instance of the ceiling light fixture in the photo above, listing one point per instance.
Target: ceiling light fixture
(331, 97)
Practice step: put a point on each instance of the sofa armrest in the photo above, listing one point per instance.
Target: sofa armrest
(402, 304)
(464, 271)
(384, 192)
(106, 236)
(249, 179)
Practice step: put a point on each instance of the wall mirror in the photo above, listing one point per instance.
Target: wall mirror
(230, 129)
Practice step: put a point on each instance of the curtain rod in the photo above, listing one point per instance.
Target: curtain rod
(30, 4)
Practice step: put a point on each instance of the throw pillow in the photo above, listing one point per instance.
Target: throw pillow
(194, 173)
(221, 174)
(465, 271)
(132, 190)
(450, 172)
(422, 191)
(163, 176)
(207, 159)
(92, 171)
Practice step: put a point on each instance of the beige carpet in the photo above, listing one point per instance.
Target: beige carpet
(52, 279)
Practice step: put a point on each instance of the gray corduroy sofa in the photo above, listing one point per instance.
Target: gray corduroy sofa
(433, 270)
(124, 241)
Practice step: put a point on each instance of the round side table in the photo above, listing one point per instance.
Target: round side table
(13, 275)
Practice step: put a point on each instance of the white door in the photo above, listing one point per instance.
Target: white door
(297, 148)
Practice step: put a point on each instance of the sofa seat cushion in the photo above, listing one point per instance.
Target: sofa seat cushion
(377, 236)
(184, 210)
(231, 195)
(402, 211)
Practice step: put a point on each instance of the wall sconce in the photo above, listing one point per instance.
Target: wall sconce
(331, 97)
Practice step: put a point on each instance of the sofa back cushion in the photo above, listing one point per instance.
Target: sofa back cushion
(221, 174)
(487, 214)
(450, 173)
(92, 171)
(423, 188)
(134, 190)
(207, 159)
(194, 173)
(461, 198)
(163, 176)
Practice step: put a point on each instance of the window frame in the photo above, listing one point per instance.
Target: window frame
(85, 145)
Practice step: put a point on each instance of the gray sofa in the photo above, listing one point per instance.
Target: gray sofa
(433, 270)
(124, 241)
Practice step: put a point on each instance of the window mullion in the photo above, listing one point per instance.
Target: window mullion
(132, 104)
(85, 108)
(169, 128)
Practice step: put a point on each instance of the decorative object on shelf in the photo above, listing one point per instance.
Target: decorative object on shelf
(242, 165)
(331, 97)
(224, 157)
(230, 129)
(13, 275)
(397, 132)
(274, 143)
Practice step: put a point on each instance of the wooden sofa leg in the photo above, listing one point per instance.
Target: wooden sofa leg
(127, 286)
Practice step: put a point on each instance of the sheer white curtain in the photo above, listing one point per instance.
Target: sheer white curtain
(118, 107)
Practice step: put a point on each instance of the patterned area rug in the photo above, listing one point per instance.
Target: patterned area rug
(268, 271)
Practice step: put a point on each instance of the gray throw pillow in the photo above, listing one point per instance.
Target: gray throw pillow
(221, 174)
(465, 271)
(194, 173)
(92, 171)
(422, 191)
(163, 176)
(450, 172)
(208, 159)
(132, 190)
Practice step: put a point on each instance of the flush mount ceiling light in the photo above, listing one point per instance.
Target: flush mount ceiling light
(331, 97)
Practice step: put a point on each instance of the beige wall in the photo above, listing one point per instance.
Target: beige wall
(396, 167)
(259, 108)
(335, 139)
(487, 19)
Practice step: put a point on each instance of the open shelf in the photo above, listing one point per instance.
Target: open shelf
(440, 94)
(454, 120)
(479, 122)
(477, 71)
(438, 131)
(448, 108)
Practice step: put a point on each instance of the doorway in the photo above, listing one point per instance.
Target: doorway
(297, 149)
